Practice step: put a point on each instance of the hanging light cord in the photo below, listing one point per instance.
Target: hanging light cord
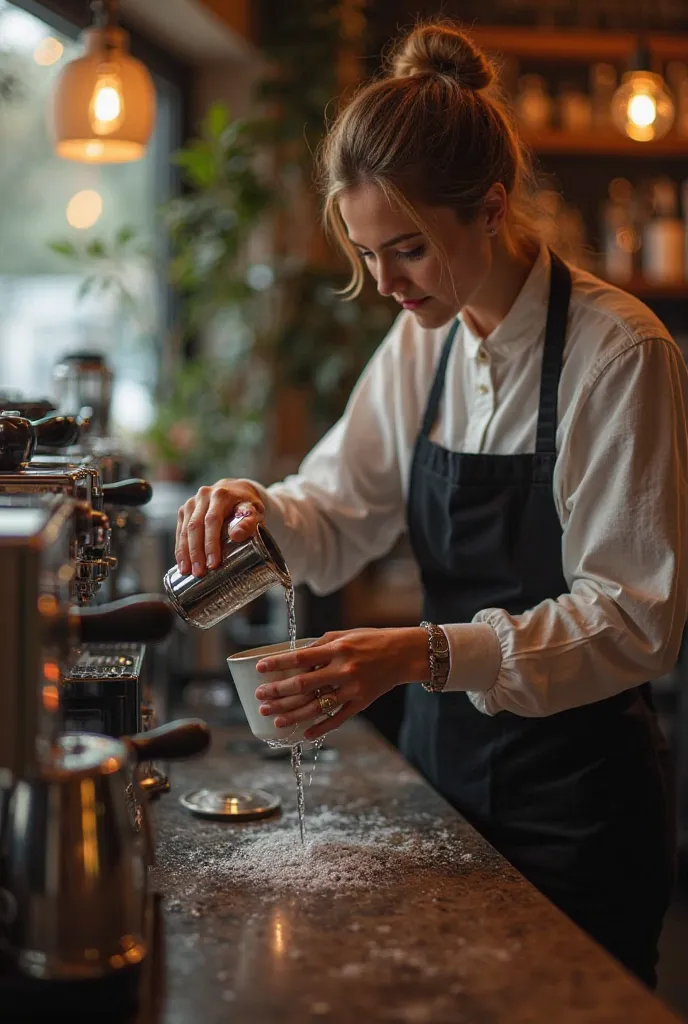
(104, 13)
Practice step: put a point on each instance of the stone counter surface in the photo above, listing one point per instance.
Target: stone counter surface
(398, 912)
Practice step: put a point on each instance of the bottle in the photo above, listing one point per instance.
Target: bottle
(664, 236)
(621, 239)
(533, 103)
(677, 77)
(603, 80)
(575, 109)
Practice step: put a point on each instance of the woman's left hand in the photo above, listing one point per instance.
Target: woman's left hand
(358, 665)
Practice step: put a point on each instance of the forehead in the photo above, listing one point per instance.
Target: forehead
(371, 216)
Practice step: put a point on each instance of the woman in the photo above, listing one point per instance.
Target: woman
(526, 423)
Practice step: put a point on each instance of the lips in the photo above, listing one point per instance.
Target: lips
(413, 303)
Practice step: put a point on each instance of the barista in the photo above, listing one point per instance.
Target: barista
(526, 422)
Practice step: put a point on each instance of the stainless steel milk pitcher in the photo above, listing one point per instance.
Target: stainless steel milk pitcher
(247, 569)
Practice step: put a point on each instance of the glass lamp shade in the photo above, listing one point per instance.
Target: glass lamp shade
(642, 108)
(103, 104)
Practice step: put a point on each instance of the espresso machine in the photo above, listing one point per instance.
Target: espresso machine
(75, 843)
(101, 687)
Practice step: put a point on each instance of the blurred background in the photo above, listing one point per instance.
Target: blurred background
(198, 270)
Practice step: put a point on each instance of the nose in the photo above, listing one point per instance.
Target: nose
(387, 281)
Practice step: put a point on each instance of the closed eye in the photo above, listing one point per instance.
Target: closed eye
(408, 254)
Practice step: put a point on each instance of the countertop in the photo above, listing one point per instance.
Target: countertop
(398, 911)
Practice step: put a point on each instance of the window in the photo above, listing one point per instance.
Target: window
(43, 199)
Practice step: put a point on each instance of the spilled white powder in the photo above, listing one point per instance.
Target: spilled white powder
(343, 853)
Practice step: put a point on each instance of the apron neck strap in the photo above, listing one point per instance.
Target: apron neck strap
(435, 396)
(552, 359)
(553, 354)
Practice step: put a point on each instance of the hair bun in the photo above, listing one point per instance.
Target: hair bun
(441, 50)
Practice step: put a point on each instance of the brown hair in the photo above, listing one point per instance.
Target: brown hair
(435, 129)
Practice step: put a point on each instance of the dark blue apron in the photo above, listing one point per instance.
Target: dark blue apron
(578, 801)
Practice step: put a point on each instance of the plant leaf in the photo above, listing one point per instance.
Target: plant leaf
(63, 248)
(95, 248)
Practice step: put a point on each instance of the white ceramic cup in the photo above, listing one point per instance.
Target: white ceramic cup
(247, 680)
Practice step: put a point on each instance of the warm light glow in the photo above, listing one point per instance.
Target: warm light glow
(84, 208)
(89, 829)
(642, 108)
(47, 604)
(278, 934)
(106, 109)
(50, 698)
(48, 51)
(51, 672)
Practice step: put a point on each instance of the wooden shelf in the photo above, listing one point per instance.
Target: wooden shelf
(584, 45)
(560, 143)
(644, 289)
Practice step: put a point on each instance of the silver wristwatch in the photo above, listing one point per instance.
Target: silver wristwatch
(438, 653)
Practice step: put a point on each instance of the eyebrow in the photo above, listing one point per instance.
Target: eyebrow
(391, 241)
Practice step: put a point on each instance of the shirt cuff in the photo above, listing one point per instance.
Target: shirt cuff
(475, 656)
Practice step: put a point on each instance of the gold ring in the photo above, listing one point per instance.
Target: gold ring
(328, 703)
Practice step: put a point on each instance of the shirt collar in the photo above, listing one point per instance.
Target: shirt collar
(525, 322)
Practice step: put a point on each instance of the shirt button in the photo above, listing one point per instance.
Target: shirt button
(483, 357)
(483, 389)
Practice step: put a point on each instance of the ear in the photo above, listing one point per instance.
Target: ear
(494, 208)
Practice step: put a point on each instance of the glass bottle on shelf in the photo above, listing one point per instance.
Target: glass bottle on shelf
(664, 236)
(677, 78)
(603, 82)
(533, 103)
(575, 109)
(621, 237)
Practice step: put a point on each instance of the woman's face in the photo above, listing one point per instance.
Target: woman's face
(404, 263)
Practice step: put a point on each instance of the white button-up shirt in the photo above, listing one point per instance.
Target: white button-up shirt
(620, 489)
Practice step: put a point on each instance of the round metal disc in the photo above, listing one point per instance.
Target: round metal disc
(230, 804)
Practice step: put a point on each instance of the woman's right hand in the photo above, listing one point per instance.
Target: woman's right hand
(199, 522)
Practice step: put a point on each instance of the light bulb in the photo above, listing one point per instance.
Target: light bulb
(641, 106)
(106, 109)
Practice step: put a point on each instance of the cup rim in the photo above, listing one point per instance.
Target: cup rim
(259, 652)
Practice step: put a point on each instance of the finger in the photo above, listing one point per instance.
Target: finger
(245, 521)
(196, 532)
(304, 658)
(322, 728)
(302, 714)
(219, 507)
(280, 705)
(181, 544)
(299, 685)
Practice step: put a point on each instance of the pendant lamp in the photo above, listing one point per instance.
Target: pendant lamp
(642, 107)
(103, 103)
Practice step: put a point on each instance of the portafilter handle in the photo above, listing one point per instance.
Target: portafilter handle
(145, 618)
(127, 493)
(56, 431)
(19, 436)
(186, 737)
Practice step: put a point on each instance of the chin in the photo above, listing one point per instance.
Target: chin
(434, 315)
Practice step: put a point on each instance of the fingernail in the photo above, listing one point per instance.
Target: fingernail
(281, 722)
(210, 561)
(184, 568)
(260, 693)
(196, 568)
(265, 709)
